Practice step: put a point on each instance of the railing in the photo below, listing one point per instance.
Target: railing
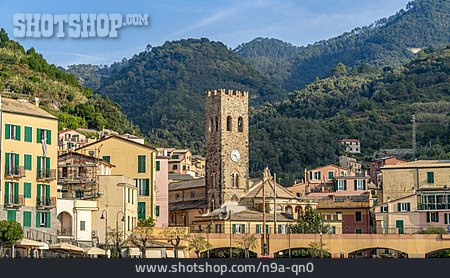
(13, 200)
(46, 174)
(45, 202)
(15, 172)
(433, 206)
(65, 232)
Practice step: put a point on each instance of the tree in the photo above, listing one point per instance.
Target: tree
(247, 242)
(340, 70)
(140, 237)
(317, 250)
(310, 221)
(174, 235)
(117, 242)
(10, 233)
(198, 244)
(147, 222)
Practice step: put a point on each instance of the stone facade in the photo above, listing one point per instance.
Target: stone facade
(226, 145)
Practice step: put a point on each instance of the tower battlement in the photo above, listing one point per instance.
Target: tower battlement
(229, 92)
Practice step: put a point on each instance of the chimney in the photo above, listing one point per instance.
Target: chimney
(35, 100)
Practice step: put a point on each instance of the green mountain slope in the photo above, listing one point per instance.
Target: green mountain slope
(27, 74)
(367, 104)
(162, 89)
(387, 42)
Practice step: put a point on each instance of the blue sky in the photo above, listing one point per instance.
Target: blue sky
(233, 22)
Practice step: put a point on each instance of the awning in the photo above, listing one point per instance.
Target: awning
(153, 253)
(24, 242)
(170, 254)
(66, 247)
(134, 251)
(94, 251)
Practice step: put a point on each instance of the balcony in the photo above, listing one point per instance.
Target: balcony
(46, 203)
(46, 175)
(15, 172)
(433, 206)
(13, 201)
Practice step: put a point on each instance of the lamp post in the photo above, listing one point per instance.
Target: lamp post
(105, 217)
(231, 237)
(289, 240)
(117, 228)
(207, 237)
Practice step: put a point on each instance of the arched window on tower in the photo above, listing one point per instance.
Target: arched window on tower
(211, 125)
(240, 124)
(234, 180)
(217, 124)
(229, 123)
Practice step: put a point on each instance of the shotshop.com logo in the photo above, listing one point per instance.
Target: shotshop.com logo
(86, 25)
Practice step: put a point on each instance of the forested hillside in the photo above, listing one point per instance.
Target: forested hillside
(365, 103)
(27, 74)
(387, 42)
(163, 89)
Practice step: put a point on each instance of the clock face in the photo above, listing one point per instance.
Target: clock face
(235, 155)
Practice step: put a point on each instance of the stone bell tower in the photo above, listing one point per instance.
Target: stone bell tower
(227, 155)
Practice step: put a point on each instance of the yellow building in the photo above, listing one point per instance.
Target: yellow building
(29, 152)
(134, 160)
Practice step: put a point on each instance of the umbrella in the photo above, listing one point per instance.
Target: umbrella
(24, 242)
(67, 247)
(94, 251)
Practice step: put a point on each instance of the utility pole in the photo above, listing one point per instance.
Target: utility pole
(231, 236)
(275, 203)
(414, 126)
(264, 214)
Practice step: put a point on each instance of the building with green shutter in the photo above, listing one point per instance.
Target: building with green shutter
(29, 153)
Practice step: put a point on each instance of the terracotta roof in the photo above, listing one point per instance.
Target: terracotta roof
(194, 183)
(86, 156)
(180, 177)
(256, 191)
(117, 137)
(25, 108)
(419, 163)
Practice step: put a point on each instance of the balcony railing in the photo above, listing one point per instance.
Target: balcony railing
(433, 206)
(15, 172)
(46, 174)
(13, 200)
(44, 202)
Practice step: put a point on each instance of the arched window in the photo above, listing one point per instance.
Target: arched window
(217, 123)
(229, 124)
(211, 124)
(288, 210)
(240, 124)
(234, 180)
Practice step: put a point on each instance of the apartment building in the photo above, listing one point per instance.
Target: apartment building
(29, 152)
(376, 164)
(351, 145)
(162, 191)
(69, 140)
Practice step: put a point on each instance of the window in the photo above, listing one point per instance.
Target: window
(43, 166)
(12, 132)
(358, 231)
(341, 185)
(175, 156)
(12, 163)
(359, 185)
(330, 175)
(27, 161)
(192, 194)
(157, 210)
(433, 216)
(11, 215)
(234, 180)
(282, 229)
(27, 190)
(28, 130)
(403, 207)
(43, 219)
(358, 216)
(430, 177)
(141, 163)
(106, 158)
(43, 194)
(229, 123)
(82, 225)
(447, 218)
(218, 228)
(217, 123)
(44, 135)
(143, 186)
(27, 218)
(129, 195)
(141, 210)
(240, 124)
(238, 228)
(11, 192)
(332, 229)
(339, 216)
(158, 165)
(175, 167)
(384, 208)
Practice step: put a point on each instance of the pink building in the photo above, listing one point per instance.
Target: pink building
(69, 140)
(162, 191)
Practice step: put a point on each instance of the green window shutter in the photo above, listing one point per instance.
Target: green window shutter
(355, 184)
(38, 219)
(430, 177)
(11, 215)
(345, 184)
(27, 189)
(18, 128)
(6, 162)
(234, 228)
(310, 175)
(7, 131)
(364, 185)
(336, 185)
(243, 228)
(27, 218)
(39, 166)
(47, 219)
(47, 163)
(408, 206)
(141, 210)
(106, 158)
(49, 137)
(446, 218)
(38, 135)
(330, 175)
(318, 175)
(38, 195)
(16, 162)
(399, 207)
(258, 228)
(428, 216)
(158, 165)
(437, 216)
(16, 192)
(6, 192)
(28, 134)
(27, 161)
(157, 210)
(147, 187)
(141, 163)
(47, 192)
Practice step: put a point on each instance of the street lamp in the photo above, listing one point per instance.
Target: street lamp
(207, 235)
(117, 228)
(105, 217)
